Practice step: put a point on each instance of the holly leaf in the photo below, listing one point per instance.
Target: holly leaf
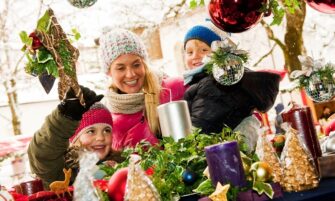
(43, 56)
(26, 40)
(44, 23)
(262, 187)
(205, 188)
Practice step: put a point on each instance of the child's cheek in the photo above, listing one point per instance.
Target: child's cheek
(86, 140)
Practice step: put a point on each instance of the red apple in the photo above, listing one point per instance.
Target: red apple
(117, 185)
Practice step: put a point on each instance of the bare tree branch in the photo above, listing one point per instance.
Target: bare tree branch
(330, 41)
(174, 10)
(264, 56)
(272, 37)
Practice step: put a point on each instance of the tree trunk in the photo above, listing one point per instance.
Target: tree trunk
(294, 39)
(12, 102)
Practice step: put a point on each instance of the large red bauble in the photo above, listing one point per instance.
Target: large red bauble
(325, 6)
(117, 185)
(236, 15)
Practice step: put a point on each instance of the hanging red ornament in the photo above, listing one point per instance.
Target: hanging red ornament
(324, 6)
(236, 15)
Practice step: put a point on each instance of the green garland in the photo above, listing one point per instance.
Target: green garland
(173, 158)
(326, 74)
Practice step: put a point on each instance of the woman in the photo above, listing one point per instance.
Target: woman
(135, 91)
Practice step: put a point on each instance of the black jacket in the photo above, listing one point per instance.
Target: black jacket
(212, 105)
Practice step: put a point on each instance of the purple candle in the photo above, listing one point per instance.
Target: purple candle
(225, 164)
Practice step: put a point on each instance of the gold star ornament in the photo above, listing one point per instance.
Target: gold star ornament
(220, 193)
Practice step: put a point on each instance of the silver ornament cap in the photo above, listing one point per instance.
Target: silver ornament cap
(174, 119)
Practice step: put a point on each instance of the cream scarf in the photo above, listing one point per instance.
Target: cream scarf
(125, 103)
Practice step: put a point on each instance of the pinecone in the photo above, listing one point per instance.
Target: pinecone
(72, 157)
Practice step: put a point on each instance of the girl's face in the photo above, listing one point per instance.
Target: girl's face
(128, 73)
(97, 138)
(195, 50)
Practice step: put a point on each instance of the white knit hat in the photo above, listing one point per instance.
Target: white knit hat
(118, 42)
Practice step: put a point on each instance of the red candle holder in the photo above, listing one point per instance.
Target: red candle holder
(29, 187)
(301, 119)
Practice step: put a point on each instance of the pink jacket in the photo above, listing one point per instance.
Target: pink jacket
(129, 129)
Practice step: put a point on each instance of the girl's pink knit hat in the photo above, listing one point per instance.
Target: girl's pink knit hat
(97, 114)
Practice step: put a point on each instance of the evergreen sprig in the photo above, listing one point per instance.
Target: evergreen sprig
(170, 159)
(325, 74)
(226, 57)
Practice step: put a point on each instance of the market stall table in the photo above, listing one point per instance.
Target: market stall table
(325, 192)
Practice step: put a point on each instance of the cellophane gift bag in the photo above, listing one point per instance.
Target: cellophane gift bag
(299, 170)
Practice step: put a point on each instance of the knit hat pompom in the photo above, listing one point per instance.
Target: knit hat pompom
(118, 42)
(206, 32)
(97, 114)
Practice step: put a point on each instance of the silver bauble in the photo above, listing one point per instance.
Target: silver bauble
(319, 88)
(330, 144)
(228, 75)
(82, 3)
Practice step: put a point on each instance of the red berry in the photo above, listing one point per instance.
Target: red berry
(36, 41)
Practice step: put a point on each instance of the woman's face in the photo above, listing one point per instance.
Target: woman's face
(195, 51)
(128, 72)
(97, 138)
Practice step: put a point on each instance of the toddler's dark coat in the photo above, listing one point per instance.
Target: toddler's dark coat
(212, 105)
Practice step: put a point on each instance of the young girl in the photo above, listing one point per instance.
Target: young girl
(212, 106)
(55, 145)
(135, 91)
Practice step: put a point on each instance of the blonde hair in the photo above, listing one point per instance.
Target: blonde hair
(151, 90)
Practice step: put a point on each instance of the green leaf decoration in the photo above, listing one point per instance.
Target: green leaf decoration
(173, 158)
(262, 187)
(205, 188)
(26, 40)
(43, 56)
(75, 33)
(44, 22)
